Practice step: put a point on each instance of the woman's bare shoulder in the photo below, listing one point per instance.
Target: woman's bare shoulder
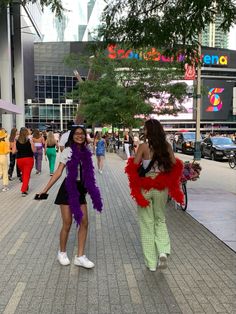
(144, 146)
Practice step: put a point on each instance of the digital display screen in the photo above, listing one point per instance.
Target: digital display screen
(186, 106)
(216, 99)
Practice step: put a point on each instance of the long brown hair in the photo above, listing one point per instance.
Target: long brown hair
(158, 144)
(36, 134)
(13, 135)
(23, 136)
(51, 139)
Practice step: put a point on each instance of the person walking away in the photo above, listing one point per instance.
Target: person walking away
(127, 143)
(136, 143)
(94, 142)
(4, 151)
(51, 147)
(24, 150)
(100, 145)
(12, 139)
(39, 143)
(77, 159)
(161, 173)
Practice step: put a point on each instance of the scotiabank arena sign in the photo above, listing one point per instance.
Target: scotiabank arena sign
(210, 59)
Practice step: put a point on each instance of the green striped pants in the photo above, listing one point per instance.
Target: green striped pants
(153, 230)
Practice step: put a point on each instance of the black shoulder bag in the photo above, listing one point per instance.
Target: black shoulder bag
(142, 171)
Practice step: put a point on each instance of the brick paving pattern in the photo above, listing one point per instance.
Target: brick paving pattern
(201, 274)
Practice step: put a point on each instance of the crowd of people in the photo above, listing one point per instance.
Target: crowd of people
(22, 150)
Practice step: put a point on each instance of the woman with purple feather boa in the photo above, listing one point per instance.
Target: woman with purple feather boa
(77, 159)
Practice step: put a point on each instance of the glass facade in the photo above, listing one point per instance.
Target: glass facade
(45, 110)
(213, 36)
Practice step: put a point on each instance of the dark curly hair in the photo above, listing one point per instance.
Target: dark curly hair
(158, 144)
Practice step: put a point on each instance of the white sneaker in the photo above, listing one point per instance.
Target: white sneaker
(63, 258)
(5, 188)
(152, 268)
(162, 263)
(83, 261)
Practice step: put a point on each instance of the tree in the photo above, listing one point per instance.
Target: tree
(163, 23)
(55, 5)
(121, 89)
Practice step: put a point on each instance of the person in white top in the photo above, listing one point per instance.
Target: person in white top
(64, 137)
(63, 140)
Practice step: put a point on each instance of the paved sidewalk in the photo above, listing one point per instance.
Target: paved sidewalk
(201, 277)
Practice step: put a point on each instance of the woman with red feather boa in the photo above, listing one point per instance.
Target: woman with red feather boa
(162, 177)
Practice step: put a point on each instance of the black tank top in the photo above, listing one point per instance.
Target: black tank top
(24, 150)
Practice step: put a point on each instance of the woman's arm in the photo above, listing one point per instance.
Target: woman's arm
(172, 156)
(45, 147)
(14, 149)
(57, 174)
(32, 146)
(139, 154)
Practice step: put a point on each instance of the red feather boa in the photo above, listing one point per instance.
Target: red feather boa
(169, 180)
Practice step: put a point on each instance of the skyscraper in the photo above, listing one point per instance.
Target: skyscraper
(79, 22)
(213, 36)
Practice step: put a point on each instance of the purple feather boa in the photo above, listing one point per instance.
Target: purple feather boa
(84, 156)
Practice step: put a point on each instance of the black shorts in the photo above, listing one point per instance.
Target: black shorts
(62, 195)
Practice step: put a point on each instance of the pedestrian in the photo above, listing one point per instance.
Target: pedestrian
(12, 139)
(24, 149)
(64, 137)
(50, 150)
(128, 143)
(4, 151)
(77, 159)
(153, 173)
(100, 148)
(39, 143)
(136, 143)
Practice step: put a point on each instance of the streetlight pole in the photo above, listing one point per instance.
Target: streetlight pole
(197, 151)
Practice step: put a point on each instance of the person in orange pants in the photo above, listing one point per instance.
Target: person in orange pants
(24, 149)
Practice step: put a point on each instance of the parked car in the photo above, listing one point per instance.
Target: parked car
(185, 141)
(217, 148)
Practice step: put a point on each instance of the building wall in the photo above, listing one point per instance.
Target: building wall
(49, 58)
(19, 25)
(218, 65)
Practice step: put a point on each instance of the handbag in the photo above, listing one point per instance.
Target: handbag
(142, 171)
